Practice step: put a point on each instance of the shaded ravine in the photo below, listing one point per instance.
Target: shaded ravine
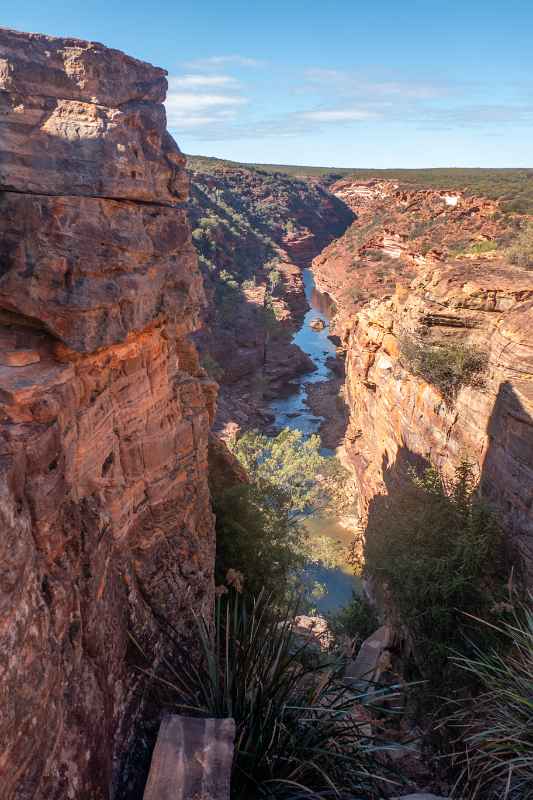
(292, 411)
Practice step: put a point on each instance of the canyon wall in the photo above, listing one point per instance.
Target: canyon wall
(254, 232)
(104, 410)
(456, 289)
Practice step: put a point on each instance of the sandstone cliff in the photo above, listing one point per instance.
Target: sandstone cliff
(254, 232)
(459, 290)
(104, 410)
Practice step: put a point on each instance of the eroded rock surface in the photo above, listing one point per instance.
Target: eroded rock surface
(443, 295)
(104, 410)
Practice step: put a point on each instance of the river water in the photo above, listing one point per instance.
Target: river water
(337, 582)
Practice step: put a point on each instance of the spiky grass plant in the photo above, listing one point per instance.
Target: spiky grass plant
(498, 731)
(299, 727)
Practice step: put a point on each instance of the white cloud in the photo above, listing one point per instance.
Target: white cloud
(195, 81)
(217, 61)
(198, 109)
(354, 84)
(339, 115)
(188, 101)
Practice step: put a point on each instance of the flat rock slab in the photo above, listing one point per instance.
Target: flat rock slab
(418, 796)
(366, 664)
(192, 760)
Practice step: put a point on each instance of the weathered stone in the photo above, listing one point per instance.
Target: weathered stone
(192, 759)
(19, 358)
(104, 502)
(372, 658)
(79, 118)
(397, 418)
(91, 270)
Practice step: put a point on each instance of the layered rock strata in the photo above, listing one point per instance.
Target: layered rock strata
(104, 410)
(460, 291)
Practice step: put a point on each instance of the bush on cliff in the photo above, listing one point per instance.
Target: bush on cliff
(521, 250)
(438, 550)
(447, 365)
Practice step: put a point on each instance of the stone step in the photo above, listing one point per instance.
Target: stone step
(192, 759)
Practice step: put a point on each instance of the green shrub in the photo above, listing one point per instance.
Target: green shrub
(296, 733)
(439, 550)
(274, 279)
(212, 367)
(497, 729)
(259, 525)
(447, 365)
(257, 536)
(357, 620)
(486, 246)
(521, 251)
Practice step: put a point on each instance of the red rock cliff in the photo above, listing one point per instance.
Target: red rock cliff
(397, 418)
(104, 412)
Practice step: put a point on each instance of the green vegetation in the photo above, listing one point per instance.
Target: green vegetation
(447, 365)
(521, 250)
(498, 729)
(513, 187)
(259, 525)
(439, 551)
(486, 246)
(212, 367)
(296, 734)
(357, 620)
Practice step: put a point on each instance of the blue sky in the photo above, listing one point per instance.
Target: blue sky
(342, 83)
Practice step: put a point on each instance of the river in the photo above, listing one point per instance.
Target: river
(292, 411)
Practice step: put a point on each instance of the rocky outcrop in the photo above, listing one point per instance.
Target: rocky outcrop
(104, 410)
(462, 290)
(397, 418)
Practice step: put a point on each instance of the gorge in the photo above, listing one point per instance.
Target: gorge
(149, 302)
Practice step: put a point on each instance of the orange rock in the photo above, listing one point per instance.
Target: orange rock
(105, 510)
(390, 345)
(19, 358)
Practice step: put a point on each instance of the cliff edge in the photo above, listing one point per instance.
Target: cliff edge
(104, 410)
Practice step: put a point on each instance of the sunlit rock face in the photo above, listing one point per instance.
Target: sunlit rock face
(104, 410)
(398, 418)
(408, 267)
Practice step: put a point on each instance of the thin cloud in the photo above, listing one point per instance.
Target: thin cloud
(196, 81)
(217, 61)
(199, 109)
(353, 84)
(187, 100)
(339, 115)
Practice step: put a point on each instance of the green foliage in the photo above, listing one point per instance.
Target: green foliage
(257, 535)
(212, 367)
(228, 296)
(357, 620)
(259, 525)
(296, 734)
(521, 250)
(497, 729)
(293, 465)
(447, 365)
(274, 279)
(513, 187)
(439, 550)
(486, 246)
